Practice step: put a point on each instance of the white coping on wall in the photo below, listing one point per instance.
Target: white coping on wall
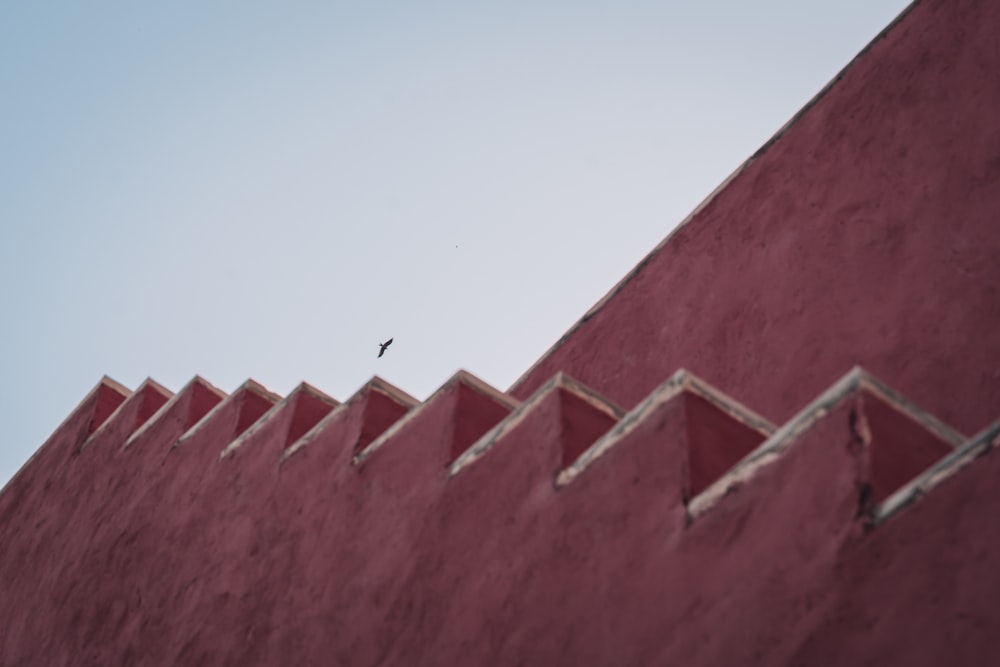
(560, 381)
(249, 385)
(977, 446)
(302, 388)
(148, 382)
(681, 381)
(168, 406)
(463, 377)
(856, 380)
(374, 384)
(105, 381)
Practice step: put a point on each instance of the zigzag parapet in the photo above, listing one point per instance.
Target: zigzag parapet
(87, 417)
(291, 418)
(474, 529)
(377, 405)
(893, 438)
(716, 429)
(579, 415)
(234, 415)
(463, 408)
(964, 455)
(182, 411)
(140, 405)
(471, 496)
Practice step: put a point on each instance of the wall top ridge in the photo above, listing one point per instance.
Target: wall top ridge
(198, 381)
(559, 382)
(149, 384)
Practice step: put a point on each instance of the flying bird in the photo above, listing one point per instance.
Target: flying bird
(383, 347)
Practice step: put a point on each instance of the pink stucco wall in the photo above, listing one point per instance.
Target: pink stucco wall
(866, 233)
(547, 525)
(649, 548)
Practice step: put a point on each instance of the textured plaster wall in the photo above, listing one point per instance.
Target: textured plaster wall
(205, 529)
(867, 233)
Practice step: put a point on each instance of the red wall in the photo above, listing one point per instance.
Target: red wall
(866, 233)
(279, 554)
(550, 527)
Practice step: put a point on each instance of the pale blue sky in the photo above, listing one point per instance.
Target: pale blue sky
(268, 189)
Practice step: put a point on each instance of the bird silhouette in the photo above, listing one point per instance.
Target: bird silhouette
(383, 347)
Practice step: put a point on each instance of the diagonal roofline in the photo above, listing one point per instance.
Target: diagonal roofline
(637, 269)
(105, 381)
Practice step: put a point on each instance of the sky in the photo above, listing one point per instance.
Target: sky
(267, 190)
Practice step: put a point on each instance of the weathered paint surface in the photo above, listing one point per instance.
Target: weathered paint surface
(866, 234)
(550, 527)
(273, 554)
